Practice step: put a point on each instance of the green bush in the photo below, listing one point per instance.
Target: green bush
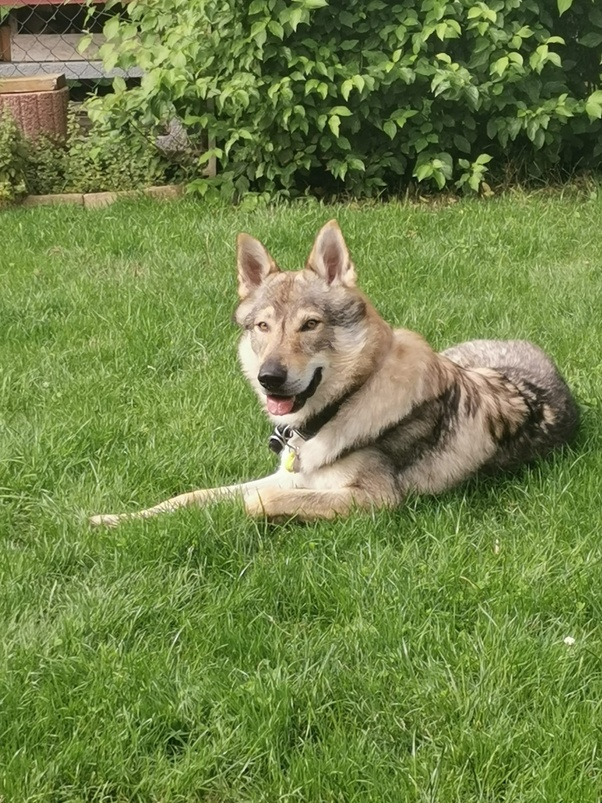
(362, 95)
(13, 161)
(98, 160)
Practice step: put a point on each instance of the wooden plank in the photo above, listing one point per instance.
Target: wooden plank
(53, 47)
(4, 43)
(34, 83)
(73, 70)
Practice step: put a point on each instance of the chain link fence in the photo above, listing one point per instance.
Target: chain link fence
(42, 36)
(40, 43)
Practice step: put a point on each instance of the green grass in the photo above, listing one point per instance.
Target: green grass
(415, 655)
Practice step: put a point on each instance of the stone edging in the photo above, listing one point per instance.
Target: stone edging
(94, 200)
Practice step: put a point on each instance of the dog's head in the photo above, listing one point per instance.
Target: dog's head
(304, 332)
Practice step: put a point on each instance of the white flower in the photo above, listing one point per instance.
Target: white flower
(569, 641)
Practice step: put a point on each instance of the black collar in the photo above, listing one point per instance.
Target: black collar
(315, 423)
(282, 433)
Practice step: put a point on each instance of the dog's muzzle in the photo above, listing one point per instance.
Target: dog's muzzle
(309, 391)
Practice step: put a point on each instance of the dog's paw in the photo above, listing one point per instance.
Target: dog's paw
(105, 520)
(269, 504)
(261, 504)
(254, 506)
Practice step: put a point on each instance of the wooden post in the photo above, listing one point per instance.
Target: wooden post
(211, 169)
(5, 43)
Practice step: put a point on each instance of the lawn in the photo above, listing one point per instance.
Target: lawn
(415, 655)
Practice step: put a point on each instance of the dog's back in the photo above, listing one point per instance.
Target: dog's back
(496, 406)
(551, 415)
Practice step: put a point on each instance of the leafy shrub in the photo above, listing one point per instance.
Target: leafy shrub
(359, 95)
(45, 166)
(13, 160)
(105, 159)
(102, 159)
(99, 160)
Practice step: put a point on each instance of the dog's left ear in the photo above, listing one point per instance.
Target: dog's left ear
(254, 263)
(329, 256)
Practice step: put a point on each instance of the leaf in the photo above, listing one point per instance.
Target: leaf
(359, 83)
(334, 123)
(84, 43)
(342, 111)
(591, 39)
(179, 60)
(111, 27)
(525, 32)
(564, 5)
(276, 28)
(119, 85)
(258, 31)
(594, 110)
(295, 18)
(357, 164)
(390, 129)
(440, 179)
(500, 66)
(441, 30)
(472, 94)
(462, 143)
(514, 128)
(423, 171)
(346, 88)
(532, 129)
(322, 90)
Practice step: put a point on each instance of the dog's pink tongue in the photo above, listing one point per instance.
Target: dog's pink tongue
(280, 406)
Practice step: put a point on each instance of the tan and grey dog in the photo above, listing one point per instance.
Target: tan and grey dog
(365, 413)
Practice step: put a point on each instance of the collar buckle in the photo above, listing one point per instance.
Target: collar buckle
(281, 435)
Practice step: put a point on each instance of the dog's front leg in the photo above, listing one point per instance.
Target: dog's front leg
(202, 497)
(306, 505)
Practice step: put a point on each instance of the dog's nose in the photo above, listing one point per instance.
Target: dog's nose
(272, 375)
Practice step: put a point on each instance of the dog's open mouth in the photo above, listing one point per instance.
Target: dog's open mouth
(283, 405)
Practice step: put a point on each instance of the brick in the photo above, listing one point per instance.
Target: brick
(61, 198)
(168, 193)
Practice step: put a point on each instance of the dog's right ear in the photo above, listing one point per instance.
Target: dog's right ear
(254, 263)
(330, 258)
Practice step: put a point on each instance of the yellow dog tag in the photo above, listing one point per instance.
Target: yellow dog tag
(289, 461)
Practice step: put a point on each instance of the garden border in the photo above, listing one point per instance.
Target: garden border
(95, 200)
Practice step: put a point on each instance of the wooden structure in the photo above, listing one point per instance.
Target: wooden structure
(32, 41)
(38, 105)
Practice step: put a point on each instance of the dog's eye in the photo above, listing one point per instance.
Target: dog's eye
(309, 325)
(262, 326)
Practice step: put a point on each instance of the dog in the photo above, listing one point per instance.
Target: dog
(365, 414)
